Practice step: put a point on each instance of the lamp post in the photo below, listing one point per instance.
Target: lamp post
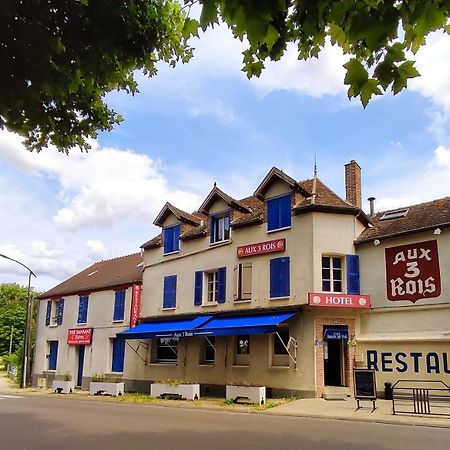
(26, 338)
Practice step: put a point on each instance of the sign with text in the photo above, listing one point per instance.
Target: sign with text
(261, 248)
(412, 272)
(79, 336)
(364, 384)
(135, 305)
(333, 300)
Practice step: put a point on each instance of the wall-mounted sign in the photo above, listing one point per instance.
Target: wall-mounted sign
(79, 336)
(277, 245)
(333, 300)
(412, 272)
(336, 333)
(135, 305)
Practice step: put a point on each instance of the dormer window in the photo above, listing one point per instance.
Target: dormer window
(171, 239)
(279, 212)
(220, 228)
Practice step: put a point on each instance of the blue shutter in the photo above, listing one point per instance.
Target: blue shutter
(118, 355)
(119, 305)
(83, 309)
(170, 291)
(172, 239)
(53, 355)
(221, 284)
(176, 238)
(272, 214)
(279, 212)
(198, 289)
(212, 231)
(285, 211)
(60, 312)
(279, 277)
(48, 313)
(353, 285)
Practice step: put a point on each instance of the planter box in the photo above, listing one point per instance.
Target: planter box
(105, 388)
(253, 394)
(63, 387)
(185, 391)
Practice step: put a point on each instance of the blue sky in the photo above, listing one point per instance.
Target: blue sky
(204, 122)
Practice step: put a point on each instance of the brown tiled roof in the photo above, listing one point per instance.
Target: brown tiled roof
(256, 215)
(102, 275)
(153, 243)
(273, 174)
(421, 217)
(181, 215)
(230, 201)
(324, 195)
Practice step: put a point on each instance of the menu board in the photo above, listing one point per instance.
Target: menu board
(364, 384)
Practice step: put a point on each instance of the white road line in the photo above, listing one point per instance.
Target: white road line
(10, 396)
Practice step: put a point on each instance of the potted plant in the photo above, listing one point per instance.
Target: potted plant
(102, 384)
(175, 389)
(246, 392)
(63, 384)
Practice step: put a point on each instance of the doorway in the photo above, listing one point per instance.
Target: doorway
(81, 349)
(334, 355)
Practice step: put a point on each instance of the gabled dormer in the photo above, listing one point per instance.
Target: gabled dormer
(219, 206)
(171, 219)
(280, 192)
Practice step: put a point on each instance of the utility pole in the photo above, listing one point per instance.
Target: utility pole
(11, 340)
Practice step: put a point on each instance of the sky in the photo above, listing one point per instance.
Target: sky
(205, 122)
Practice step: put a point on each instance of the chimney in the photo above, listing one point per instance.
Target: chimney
(372, 205)
(353, 183)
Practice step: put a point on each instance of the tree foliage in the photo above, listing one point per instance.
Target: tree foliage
(376, 34)
(60, 57)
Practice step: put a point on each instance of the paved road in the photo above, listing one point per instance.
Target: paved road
(42, 423)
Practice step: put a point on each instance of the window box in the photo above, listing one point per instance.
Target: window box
(254, 394)
(63, 386)
(185, 391)
(106, 388)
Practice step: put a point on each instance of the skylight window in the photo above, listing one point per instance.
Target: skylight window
(92, 273)
(395, 214)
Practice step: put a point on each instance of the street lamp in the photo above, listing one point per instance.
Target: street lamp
(26, 338)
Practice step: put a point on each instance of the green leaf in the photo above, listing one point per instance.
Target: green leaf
(208, 14)
(190, 28)
(369, 88)
(408, 70)
(356, 75)
(272, 36)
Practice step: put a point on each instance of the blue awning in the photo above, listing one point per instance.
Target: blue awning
(245, 324)
(167, 328)
(336, 333)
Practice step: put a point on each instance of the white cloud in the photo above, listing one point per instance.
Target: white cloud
(96, 248)
(441, 158)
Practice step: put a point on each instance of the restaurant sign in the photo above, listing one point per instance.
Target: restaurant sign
(261, 248)
(135, 305)
(333, 300)
(79, 336)
(412, 272)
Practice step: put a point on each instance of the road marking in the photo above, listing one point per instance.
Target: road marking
(9, 396)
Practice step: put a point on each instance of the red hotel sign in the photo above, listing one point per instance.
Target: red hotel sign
(277, 245)
(412, 272)
(135, 305)
(79, 336)
(333, 300)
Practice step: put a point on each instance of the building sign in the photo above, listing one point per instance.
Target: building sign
(410, 362)
(412, 272)
(79, 336)
(336, 334)
(364, 384)
(135, 305)
(277, 245)
(333, 300)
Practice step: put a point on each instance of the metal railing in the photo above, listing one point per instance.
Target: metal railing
(421, 397)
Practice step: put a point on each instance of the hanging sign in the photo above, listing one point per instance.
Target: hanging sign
(412, 272)
(333, 300)
(135, 305)
(261, 248)
(79, 336)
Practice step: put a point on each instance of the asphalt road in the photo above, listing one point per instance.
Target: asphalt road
(42, 423)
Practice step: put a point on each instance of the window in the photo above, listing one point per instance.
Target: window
(331, 274)
(119, 306)
(83, 309)
(243, 282)
(171, 239)
(220, 228)
(118, 355)
(280, 277)
(52, 354)
(242, 350)
(210, 286)
(395, 214)
(167, 350)
(170, 291)
(280, 342)
(279, 213)
(208, 351)
(55, 312)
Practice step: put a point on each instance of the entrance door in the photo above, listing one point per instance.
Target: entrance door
(80, 365)
(334, 356)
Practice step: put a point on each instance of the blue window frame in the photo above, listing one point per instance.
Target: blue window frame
(170, 291)
(119, 306)
(279, 212)
(60, 312)
(171, 239)
(53, 355)
(219, 228)
(280, 277)
(83, 309)
(118, 355)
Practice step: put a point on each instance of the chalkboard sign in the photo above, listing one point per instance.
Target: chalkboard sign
(364, 384)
